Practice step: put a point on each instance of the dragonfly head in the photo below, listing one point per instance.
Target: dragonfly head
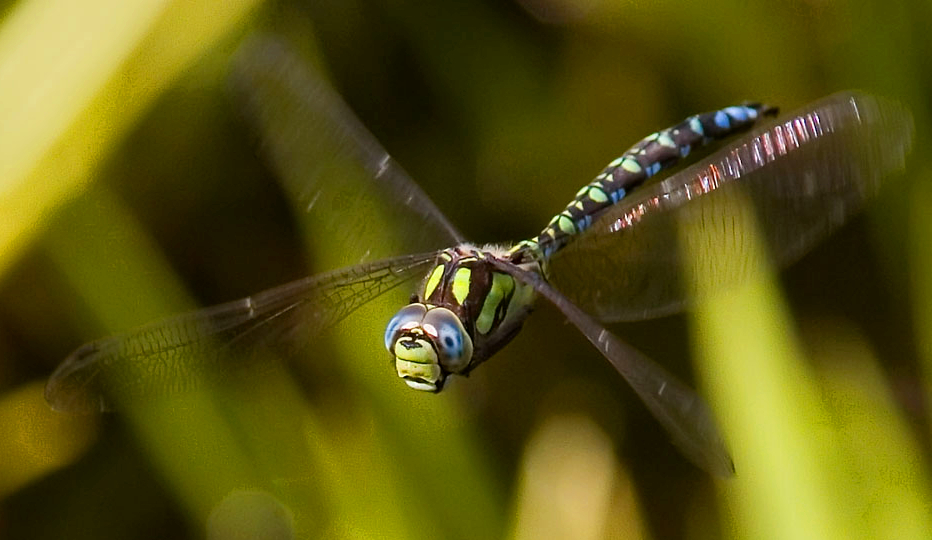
(428, 343)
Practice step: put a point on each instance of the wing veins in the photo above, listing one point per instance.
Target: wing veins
(173, 346)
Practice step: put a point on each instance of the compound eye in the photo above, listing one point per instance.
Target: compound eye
(453, 343)
(408, 316)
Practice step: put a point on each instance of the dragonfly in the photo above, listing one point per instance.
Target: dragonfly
(611, 255)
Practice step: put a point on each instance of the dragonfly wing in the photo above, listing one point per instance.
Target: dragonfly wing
(679, 409)
(802, 176)
(168, 355)
(327, 160)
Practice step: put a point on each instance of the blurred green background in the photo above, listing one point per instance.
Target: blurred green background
(131, 188)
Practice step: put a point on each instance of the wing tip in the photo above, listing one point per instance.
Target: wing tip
(72, 387)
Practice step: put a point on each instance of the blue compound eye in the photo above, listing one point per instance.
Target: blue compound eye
(453, 344)
(412, 313)
(451, 341)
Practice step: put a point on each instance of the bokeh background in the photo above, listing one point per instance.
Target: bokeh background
(132, 188)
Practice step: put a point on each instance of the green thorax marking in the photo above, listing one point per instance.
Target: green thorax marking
(466, 283)
(462, 279)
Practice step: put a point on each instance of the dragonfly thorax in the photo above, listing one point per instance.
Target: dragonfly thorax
(466, 310)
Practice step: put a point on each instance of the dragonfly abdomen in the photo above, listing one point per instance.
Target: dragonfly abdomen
(653, 153)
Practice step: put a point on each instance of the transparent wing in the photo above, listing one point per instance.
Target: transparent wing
(168, 355)
(679, 409)
(329, 162)
(802, 176)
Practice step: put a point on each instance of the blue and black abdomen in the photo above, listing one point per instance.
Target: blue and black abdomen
(652, 154)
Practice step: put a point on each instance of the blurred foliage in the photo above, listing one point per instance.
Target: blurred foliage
(130, 188)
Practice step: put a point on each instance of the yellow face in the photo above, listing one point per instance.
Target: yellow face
(428, 343)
